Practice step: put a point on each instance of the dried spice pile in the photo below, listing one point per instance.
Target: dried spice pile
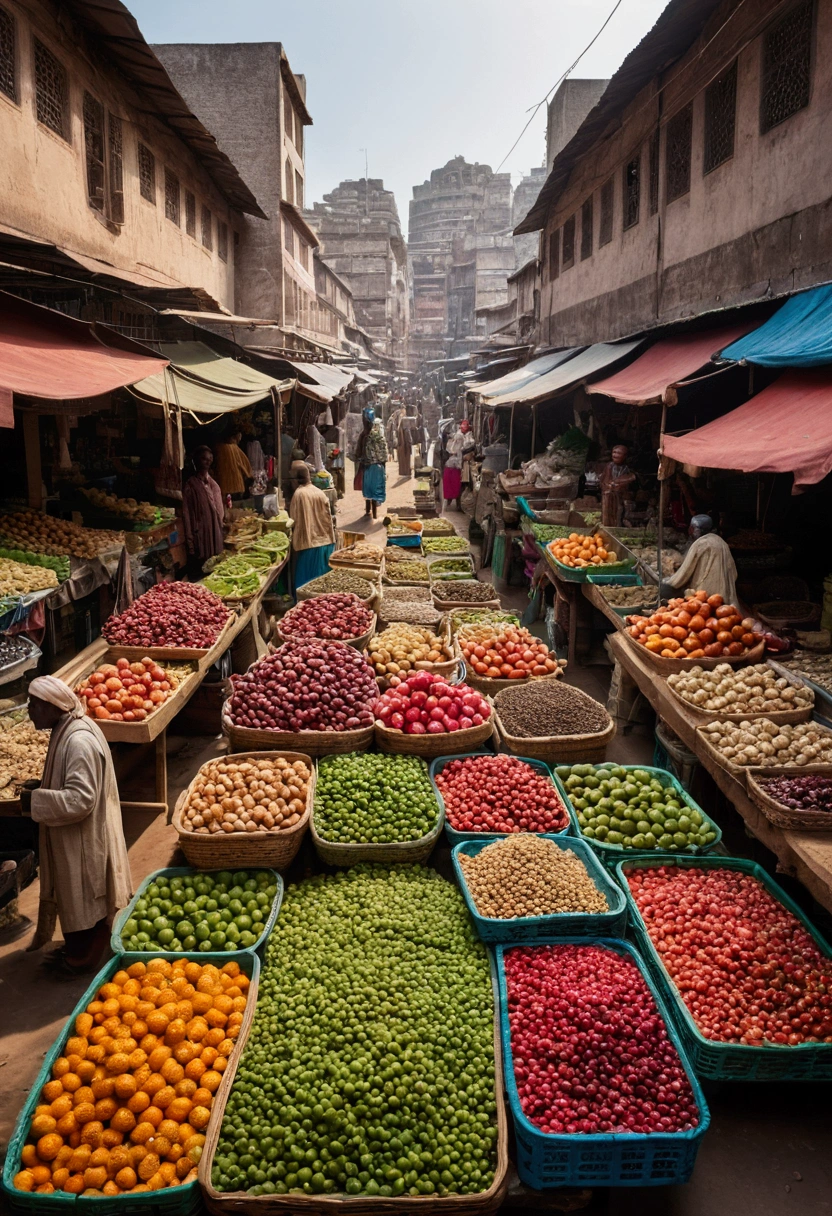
(549, 707)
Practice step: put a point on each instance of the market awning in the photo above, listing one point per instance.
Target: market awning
(203, 382)
(798, 335)
(787, 428)
(44, 353)
(504, 385)
(321, 381)
(567, 374)
(655, 375)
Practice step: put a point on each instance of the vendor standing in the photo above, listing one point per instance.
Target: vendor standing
(460, 448)
(708, 564)
(232, 469)
(84, 871)
(371, 458)
(313, 536)
(616, 479)
(202, 511)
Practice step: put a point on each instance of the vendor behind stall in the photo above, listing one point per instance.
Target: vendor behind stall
(313, 536)
(84, 871)
(708, 564)
(232, 469)
(202, 511)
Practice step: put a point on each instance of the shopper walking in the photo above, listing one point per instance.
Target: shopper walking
(313, 536)
(460, 449)
(202, 512)
(371, 458)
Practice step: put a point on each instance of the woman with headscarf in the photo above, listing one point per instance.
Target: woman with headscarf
(460, 448)
(84, 871)
(313, 536)
(202, 511)
(371, 458)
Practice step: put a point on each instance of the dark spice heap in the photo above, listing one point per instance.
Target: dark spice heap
(12, 650)
(468, 592)
(809, 793)
(549, 707)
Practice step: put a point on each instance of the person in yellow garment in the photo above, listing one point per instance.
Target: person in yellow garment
(708, 565)
(84, 871)
(231, 465)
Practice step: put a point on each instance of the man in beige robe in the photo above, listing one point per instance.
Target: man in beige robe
(84, 871)
(313, 536)
(708, 564)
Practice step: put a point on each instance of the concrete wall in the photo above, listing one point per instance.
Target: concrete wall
(567, 110)
(43, 177)
(758, 224)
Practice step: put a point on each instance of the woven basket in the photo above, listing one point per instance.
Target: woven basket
(559, 749)
(431, 746)
(489, 687)
(311, 742)
(358, 643)
(776, 715)
(447, 605)
(738, 771)
(275, 849)
(370, 602)
(666, 666)
(782, 816)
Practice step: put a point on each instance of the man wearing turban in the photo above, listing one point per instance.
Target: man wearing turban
(84, 871)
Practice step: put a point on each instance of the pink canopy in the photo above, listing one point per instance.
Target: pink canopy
(787, 428)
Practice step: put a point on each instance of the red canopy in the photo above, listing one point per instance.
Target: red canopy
(46, 354)
(670, 362)
(787, 428)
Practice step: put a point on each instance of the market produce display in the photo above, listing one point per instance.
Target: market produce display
(273, 543)
(129, 692)
(16, 578)
(699, 627)
(812, 792)
(374, 1014)
(631, 808)
(240, 576)
(219, 911)
(340, 580)
(543, 533)
(139, 512)
(339, 616)
(407, 570)
(305, 686)
(426, 704)
(406, 595)
(33, 530)
(814, 667)
(403, 527)
(444, 544)
(450, 567)
(244, 530)
(22, 752)
(401, 649)
(183, 615)
(128, 1101)
(761, 742)
(579, 552)
(529, 876)
(504, 652)
(472, 592)
(649, 554)
(744, 965)
(26, 558)
(479, 616)
(374, 799)
(744, 690)
(437, 527)
(629, 597)
(361, 553)
(408, 607)
(589, 1048)
(549, 708)
(235, 795)
(13, 648)
(501, 794)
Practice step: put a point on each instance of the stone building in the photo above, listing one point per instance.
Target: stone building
(526, 246)
(360, 237)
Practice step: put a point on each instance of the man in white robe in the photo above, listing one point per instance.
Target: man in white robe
(708, 565)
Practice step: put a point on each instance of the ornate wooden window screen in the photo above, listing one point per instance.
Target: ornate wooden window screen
(147, 174)
(720, 119)
(207, 236)
(653, 169)
(787, 66)
(631, 198)
(568, 253)
(607, 205)
(190, 213)
(8, 55)
(222, 241)
(173, 196)
(554, 254)
(51, 91)
(115, 141)
(586, 229)
(94, 151)
(677, 153)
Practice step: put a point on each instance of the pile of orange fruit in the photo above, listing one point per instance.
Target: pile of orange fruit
(698, 627)
(581, 551)
(129, 1100)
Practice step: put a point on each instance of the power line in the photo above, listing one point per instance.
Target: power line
(590, 44)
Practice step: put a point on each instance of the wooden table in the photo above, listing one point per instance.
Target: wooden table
(806, 856)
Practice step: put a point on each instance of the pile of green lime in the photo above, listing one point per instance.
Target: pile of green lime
(369, 1069)
(374, 799)
(631, 808)
(203, 911)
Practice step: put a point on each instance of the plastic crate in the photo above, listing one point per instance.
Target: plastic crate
(531, 928)
(540, 766)
(728, 1061)
(173, 1201)
(611, 854)
(117, 946)
(605, 1158)
(672, 755)
(414, 541)
(624, 580)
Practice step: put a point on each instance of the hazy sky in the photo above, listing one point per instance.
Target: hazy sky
(416, 82)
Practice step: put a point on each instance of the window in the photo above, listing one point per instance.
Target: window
(303, 253)
(288, 301)
(207, 237)
(116, 155)
(299, 133)
(172, 196)
(289, 180)
(94, 149)
(288, 238)
(787, 66)
(147, 174)
(8, 55)
(586, 229)
(677, 154)
(51, 91)
(631, 199)
(288, 117)
(190, 213)
(298, 189)
(568, 254)
(222, 241)
(607, 207)
(720, 119)
(653, 169)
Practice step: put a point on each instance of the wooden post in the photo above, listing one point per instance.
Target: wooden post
(34, 472)
(660, 534)
(278, 440)
(511, 436)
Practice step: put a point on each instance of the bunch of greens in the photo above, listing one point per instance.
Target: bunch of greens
(59, 564)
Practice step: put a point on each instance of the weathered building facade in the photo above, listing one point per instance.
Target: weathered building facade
(700, 181)
(360, 236)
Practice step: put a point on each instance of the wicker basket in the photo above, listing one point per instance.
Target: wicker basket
(431, 746)
(777, 715)
(490, 687)
(358, 643)
(311, 742)
(666, 666)
(782, 816)
(371, 601)
(738, 771)
(559, 749)
(243, 849)
(447, 605)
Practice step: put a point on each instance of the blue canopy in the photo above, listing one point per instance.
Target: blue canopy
(798, 335)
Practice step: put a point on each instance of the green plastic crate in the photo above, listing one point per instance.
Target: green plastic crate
(173, 1201)
(728, 1061)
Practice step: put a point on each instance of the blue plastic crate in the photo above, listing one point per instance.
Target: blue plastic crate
(173, 1201)
(728, 1061)
(530, 928)
(604, 1159)
(540, 766)
(623, 580)
(611, 854)
(414, 541)
(117, 945)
